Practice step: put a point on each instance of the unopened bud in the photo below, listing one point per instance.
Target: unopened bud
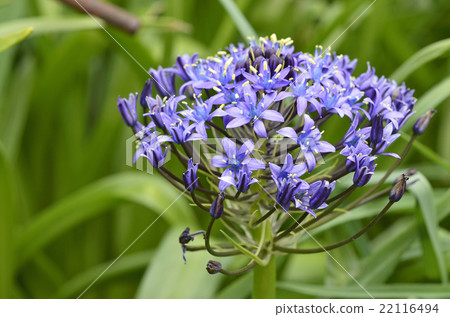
(216, 210)
(422, 123)
(398, 189)
(213, 267)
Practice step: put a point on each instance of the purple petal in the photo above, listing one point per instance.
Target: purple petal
(259, 128)
(225, 182)
(201, 129)
(235, 112)
(310, 160)
(299, 169)
(288, 132)
(254, 164)
(219, 161)
(325, 147)
(218, 113)
(246, 149)
(309, 123)
(302, 103)
(237, 122)
(274, 169)
(272, 115)
(283, 95)
(229, 147)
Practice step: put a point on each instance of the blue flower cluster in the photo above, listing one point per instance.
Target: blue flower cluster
(260, 94)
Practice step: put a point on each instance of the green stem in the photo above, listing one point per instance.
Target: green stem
(264, 280)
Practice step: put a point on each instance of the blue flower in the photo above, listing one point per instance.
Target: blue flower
(364, 170)
(264, 79)
(355, 134)
(321, 68)
(314, 196)
(127, 108)
(287, 179)
(235, 160)
(353, 152)
(150, 148)
(146, 92)
(190, 176)
(180, 130)
(289, 171)
(303, 92)
(320, 191)
(200, 113)
(243, 182)
(252, 110)
(309, 141)
(158, 106)
(287, 189)
(163, 81)
(388, 138)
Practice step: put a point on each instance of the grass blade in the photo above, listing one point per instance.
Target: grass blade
(239, 19)
(168, 277)
(428, 227)
(98, 198)
(6, 41)
(420, 58)
(382, 291)
(431, 99)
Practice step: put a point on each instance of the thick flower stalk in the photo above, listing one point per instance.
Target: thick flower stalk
(247, 125)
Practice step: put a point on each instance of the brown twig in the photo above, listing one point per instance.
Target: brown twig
(112, 14)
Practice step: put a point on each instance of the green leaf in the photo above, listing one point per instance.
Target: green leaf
(7, 224)
(428, 227)
(125, 265)
(239, 19)
(382, 261)
(431, 99)
(167, 276)
(239, 288)
(9, 40)
(97, 198)
(427, 152)
(425, 55)
(382, 291)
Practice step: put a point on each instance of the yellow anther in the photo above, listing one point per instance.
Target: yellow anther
(278, 68)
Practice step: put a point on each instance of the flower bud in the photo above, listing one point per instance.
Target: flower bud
(190, 179)
(269, 51)
(255, 52)
(127, 108)
(213, 267)
(321, 195)
(258, 62)
(398, 189)
(364, 170)
(146, 92)
(376, 133)
(289, 61)
(422, 123)
(274, 61)
(216, 210)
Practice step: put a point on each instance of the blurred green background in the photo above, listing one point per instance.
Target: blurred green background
(69, 205)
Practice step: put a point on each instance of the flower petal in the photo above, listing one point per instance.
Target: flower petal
(259, 128)
(288, 132)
